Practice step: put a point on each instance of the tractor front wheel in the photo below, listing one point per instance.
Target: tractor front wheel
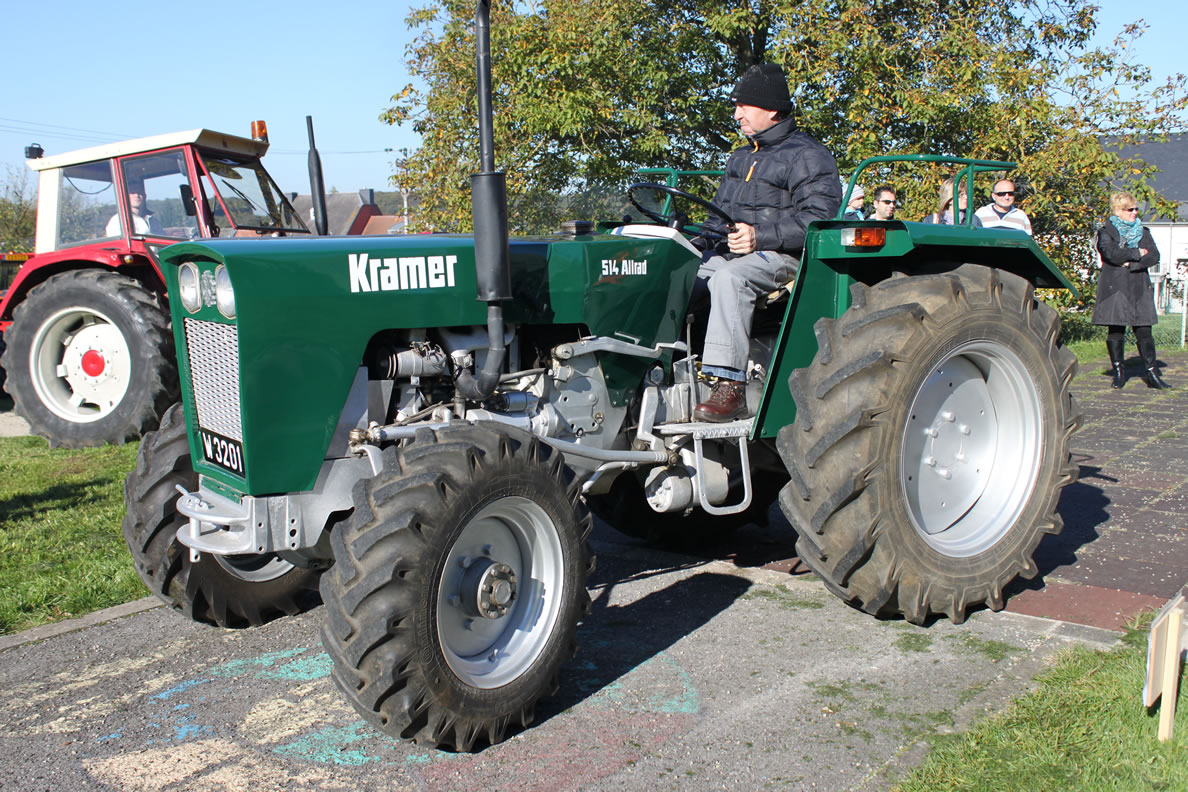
(230, 591)
(931, 442)
(458, 583)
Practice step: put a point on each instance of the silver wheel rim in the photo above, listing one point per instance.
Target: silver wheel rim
(254, 568)
(513, 546)
(972, 449)
(80, 365)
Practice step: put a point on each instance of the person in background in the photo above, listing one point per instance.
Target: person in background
(1003, 213)
(854, 207)
(945, 216)
(1125, 297)
(884, 203)
(143, 221)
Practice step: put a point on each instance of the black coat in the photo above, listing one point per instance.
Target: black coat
(779, 183)
(1125, 295)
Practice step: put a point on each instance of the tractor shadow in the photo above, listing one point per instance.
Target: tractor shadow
(621, 634)
(1083, 508)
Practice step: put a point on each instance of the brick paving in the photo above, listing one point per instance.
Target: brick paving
(1124, 547)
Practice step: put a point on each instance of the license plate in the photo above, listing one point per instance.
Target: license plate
(222, 451)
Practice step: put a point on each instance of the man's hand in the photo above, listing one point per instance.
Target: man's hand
(742, 239)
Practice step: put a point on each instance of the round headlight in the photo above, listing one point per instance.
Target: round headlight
(224, 294)
(187, 287)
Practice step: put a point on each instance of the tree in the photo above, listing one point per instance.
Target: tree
(585, 93)
(18, 212)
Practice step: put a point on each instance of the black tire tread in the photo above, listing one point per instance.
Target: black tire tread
(831, 449)
(152, 349)
(203, 592)
(383, 555)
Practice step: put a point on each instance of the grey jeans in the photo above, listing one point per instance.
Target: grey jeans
(734, 285)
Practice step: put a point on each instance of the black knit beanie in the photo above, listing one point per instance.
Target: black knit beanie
(763, 86)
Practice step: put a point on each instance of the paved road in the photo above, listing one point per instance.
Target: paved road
(733, 670)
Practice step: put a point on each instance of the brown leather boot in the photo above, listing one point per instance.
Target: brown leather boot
(727, 401)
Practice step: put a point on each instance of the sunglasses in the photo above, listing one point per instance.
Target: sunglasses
(1131, 209)
(884, 202)
(1006, 192)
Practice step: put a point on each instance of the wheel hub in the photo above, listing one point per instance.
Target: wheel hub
(93, 363)
(948, 461)
(499, 595)
(81, 365)
(488, 589)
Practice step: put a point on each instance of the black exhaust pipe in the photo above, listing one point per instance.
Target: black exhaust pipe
(317, 188)
(488, 197)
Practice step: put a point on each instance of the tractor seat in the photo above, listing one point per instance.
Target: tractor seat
(771, 298)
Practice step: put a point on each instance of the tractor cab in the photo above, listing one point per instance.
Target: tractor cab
(172, 187)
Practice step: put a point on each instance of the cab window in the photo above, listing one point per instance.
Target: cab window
(86, 203)
(159, 198)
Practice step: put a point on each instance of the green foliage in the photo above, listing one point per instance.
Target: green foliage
(1076, 326)
(61, 550)
(18, 212)
(587, 92)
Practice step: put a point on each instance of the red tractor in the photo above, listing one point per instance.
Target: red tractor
(89, 354)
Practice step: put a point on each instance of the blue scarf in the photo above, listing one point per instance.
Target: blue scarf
(1129, 231)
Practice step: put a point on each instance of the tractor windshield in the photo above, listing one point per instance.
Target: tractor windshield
(243, 197)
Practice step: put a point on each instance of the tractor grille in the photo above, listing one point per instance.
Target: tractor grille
(214, 368)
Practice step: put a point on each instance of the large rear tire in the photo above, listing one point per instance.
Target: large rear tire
(230, 591)
(931, 442)
(90, 359)
(458, 583)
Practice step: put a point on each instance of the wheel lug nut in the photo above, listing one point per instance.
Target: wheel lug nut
(948, 416)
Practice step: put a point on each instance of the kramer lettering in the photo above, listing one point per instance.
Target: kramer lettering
(398, 274)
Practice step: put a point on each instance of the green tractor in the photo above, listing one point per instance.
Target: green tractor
(426, 463)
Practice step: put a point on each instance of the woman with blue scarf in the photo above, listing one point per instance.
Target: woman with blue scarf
(1125, 296)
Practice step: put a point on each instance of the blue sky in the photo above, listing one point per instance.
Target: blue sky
(105, 72)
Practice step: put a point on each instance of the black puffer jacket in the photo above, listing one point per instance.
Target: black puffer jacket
(779, 184)
(1125, 296)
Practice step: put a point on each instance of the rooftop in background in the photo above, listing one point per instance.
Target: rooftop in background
(347, 212)
(1171, 157)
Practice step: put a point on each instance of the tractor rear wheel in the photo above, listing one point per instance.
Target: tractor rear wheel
(458, 583)
(90, 359)
(230, 591)
(931, 442)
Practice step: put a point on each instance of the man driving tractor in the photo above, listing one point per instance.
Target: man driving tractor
(772, 189)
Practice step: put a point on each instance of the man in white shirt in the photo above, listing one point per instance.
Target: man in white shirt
(1003, 213)
(143, 221)
(884, 203)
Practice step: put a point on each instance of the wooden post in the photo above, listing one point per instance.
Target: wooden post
(1171, 674)
(1163, 664)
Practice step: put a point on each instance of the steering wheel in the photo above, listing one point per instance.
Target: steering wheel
(677, 219)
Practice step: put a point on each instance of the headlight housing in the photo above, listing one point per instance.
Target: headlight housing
(224, 294)
(187, 287)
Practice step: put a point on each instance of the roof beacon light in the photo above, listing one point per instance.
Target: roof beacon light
(260, 131)
(864, 237)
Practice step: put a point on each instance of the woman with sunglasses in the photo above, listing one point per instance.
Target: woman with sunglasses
(1125, 296)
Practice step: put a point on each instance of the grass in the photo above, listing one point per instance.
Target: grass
(1166, 334)
(61, 550)
(1084, 728)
